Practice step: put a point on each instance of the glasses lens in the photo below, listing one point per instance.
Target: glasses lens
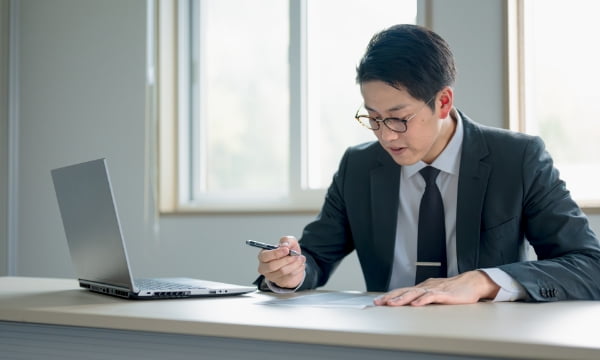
(396, 124)
(367, 122)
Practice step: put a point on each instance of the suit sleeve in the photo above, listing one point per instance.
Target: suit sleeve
(327, 240)
(568, 251)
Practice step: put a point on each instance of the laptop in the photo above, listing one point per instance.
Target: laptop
(96, 243)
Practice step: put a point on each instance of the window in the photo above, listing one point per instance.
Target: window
(559, 73)
(265, 97)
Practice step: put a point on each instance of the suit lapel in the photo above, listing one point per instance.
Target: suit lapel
(472, 184)
(385, 182)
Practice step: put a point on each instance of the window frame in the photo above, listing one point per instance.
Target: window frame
(173, 144)
(517, 80)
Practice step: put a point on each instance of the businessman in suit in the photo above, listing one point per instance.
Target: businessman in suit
(491, 193)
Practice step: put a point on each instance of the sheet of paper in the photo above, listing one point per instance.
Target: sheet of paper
(333, 299)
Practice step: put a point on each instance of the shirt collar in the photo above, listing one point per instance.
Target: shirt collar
(449, 159)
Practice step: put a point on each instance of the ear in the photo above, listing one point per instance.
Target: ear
(446, 101)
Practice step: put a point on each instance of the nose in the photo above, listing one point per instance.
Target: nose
(386, 134)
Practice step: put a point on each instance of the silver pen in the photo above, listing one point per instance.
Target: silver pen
(265, 246)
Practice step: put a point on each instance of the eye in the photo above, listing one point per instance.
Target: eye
(396, 120)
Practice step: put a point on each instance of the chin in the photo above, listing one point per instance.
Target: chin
(404, 161)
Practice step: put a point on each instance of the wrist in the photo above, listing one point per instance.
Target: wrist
(488, 288)
(285, 289)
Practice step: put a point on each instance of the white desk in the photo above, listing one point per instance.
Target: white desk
(54, 318)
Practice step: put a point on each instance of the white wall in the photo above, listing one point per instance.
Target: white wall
(82, 97)
(474, 30)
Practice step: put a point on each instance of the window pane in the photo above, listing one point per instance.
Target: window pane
(241, 144)
(562, 73)
(338, 33)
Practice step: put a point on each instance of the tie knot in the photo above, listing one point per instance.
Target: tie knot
(429, 173)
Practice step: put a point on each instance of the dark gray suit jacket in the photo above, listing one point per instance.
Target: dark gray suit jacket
(508, 191)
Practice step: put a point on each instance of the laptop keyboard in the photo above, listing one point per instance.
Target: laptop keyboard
(157, 284)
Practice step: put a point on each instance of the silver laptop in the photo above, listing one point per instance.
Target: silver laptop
(96, 243)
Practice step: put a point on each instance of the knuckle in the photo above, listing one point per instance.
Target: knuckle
(269, 267)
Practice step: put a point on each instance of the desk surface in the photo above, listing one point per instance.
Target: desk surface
(558, 330)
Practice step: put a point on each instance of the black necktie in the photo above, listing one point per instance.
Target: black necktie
(431, 245)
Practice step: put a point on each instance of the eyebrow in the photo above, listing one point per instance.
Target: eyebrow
(392, 109)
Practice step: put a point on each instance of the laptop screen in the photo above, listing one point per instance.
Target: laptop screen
(91, 223)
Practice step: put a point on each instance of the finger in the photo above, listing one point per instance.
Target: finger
(401, 296)
(271, 266)
(282, 266)
(409, 297)
(441, 297)
(265, 256)
(428, 297)
(288, 241)
(291, 269)
(383, 299)
(289, 276)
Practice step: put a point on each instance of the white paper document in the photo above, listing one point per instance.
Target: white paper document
(333, 299)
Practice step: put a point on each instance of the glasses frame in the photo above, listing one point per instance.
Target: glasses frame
(386, 121)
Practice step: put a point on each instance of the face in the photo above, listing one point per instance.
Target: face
(428, 131)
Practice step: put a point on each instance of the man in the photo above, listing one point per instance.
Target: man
(494, 191)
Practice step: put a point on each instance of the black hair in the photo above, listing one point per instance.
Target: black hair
(408, 56)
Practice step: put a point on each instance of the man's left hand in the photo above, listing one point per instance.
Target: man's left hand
(466, 288)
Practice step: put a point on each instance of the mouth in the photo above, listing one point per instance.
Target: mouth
(396, 149)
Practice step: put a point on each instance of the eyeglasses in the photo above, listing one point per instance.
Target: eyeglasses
(393, 123)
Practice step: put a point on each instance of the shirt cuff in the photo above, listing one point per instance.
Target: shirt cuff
(279, 290)
(510, 289)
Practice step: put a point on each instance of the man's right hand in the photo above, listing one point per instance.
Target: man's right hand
(279, 268)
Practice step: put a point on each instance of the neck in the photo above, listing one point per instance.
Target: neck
(447, 132)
